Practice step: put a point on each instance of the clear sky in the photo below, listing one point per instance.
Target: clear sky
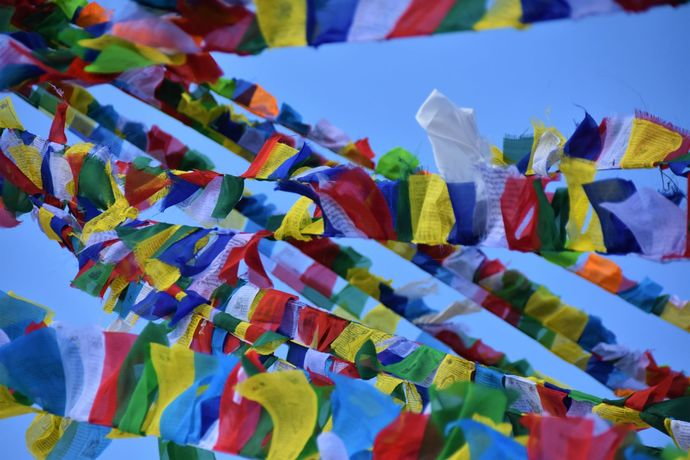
(608, 65)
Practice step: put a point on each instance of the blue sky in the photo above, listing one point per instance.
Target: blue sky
(608, 65)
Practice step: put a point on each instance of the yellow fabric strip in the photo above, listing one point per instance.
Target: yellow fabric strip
(114, 215)
(9, 407)
(28, 160)
(116, 287)
(364, 280)
(677, 316)
(619, 415)
(291, 402)
(161, 274)
(649, 144)
(578, 172)
(348, 343)
(570, 351)
(145, 249)
(278, 156)
(568, 321)
(109, 219)
(382, 318)
(404, 250)
(152, 54)
(255, 302)
(44, 218)
(430, 209)
(8, 117)
(451, 370)
(497, 157)
(282, 22)
(80, 99)
(241, 330)
(117, 434)
(539, 130)
(461, 454)
(197, 111)
(43, 434)
(503, 13)
(556, 315)
(542, 304)
(174, 368)
(186, 339)
(295, 220)
(506, 429)
(315, 228)
(413, 401)
(387, 383)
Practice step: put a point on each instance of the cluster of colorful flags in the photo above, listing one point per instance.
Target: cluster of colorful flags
(226, 362)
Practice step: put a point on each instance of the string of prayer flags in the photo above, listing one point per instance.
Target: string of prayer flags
(242, 30)
(576, 337)
(97, 289)
(258, 101)
(647, 295)
(181, 396)
(111, 129)
(631, 142)
(337, 189)
(284, 160)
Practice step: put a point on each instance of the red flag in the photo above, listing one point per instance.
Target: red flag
(57, 129)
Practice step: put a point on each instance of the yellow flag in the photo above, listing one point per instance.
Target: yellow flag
(348, 343)
(382, 318)
(503, 13)
(291, 402)
(570, 351)
(8, 117)
(283, 22)
(578, 172)
(678, 315)
(451, 370)
(9, 407)
(44, 433)
(649, 144)
(619, 415)
(431, 211)
(175, 373)
(295, 220)
(28, 160)
(279, 154)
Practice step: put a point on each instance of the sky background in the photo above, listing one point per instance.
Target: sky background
(608, 65)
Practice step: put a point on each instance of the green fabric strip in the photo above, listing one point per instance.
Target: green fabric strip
(403, 222)
(462, 16)
(418, 365)
(133, 365)
(93, 280)
(230, 193)
(94, 183)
